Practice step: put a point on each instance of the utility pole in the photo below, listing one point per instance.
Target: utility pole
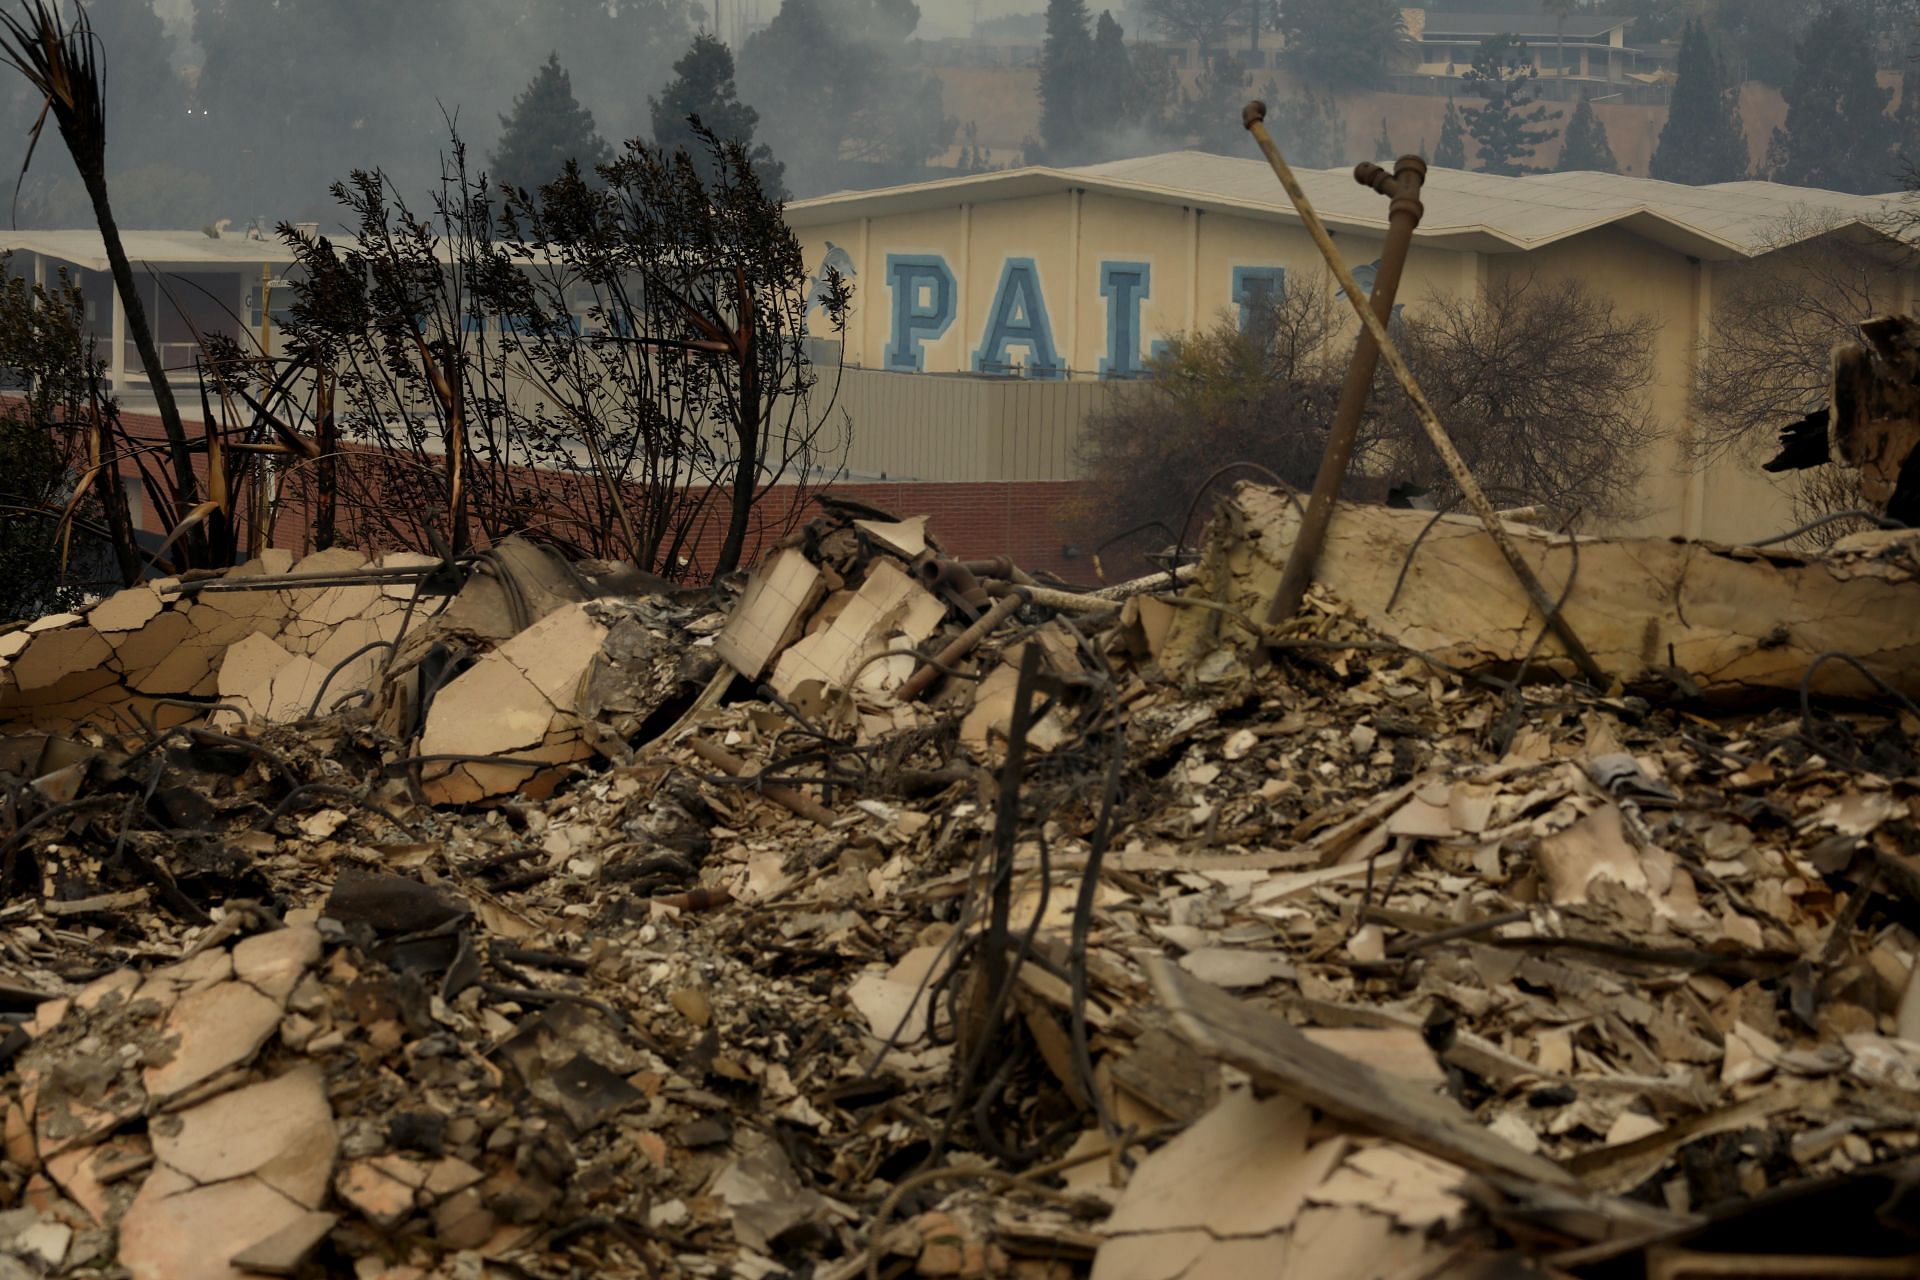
(1257, 6)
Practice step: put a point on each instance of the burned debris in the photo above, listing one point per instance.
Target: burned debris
(887, 914)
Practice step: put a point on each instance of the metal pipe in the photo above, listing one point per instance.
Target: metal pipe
(963, 644)
(957, 580)
(1066, 601)
(1402, 186)
(998, 567)
(781, 794)
(1254, 118)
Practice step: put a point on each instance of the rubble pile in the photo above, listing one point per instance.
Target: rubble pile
(891, 915)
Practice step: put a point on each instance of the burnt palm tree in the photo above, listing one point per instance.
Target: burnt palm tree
(61, 61)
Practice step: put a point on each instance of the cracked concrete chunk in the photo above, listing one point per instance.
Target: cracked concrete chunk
(281, 1253)
(378, 1196)
(273, 962)
(126, 610)
(247, 671)
(193, 1234)
(281, 1131)
(212, 1029)
(52, 658)
(554, 653)
(92, 1177)
(489, 709)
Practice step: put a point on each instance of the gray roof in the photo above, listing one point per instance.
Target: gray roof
(1533, 24)
(1471, 211)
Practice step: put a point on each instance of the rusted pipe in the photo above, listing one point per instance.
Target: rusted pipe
(956, 578)
(1254, 118)
(1001, 567)
(1402, 187)
(963, 644)
(733, 766)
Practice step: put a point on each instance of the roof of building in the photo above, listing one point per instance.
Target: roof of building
(1468, 211)
(1531, 24)
(171, 248)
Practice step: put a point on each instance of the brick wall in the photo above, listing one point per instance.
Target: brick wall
(1033, 521)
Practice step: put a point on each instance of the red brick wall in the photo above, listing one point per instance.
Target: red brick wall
(1031, 521)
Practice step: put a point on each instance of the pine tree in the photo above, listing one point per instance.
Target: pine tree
(1066, 67)
(1838, 135)
(1452, 151)
(703, 89)
(548, 128)
(1505, 131)
(1383, 145)
(1703, 141)
(1587, 149)
(1123, 102)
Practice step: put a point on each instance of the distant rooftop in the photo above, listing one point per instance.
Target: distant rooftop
(1530, 23)
(1470, 211)
(157, 248)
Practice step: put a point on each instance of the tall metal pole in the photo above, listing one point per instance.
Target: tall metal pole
(1402, 186)
(1254, 118)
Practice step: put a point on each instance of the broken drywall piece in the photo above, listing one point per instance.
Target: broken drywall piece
(1592, 848)
(904, 538)
(889, 611)
(898, 1000)
(778, 598)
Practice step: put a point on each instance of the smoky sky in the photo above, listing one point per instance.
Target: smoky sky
(250, 109)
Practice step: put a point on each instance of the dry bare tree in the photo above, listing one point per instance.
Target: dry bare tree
(1767, 359)
(1542, 385)
(1261, 393)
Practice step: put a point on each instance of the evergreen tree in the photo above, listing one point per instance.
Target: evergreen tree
(1344, 42)
(1837, 135)
(1452, 151)
(1211, 113)
(548, 128)
(1308, 126)
(1383, 145)
(843, 98)
(1587, 149)
(1505, 129)
(1066, 79)
(1703, 141)
(1126, 97)
(703, 89)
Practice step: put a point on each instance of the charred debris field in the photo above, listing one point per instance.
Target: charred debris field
(886, 914)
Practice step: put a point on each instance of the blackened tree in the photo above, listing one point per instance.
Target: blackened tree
(1509, 126)
(1383, 145)
(1343, 42)
(547, 130)
(1066, 84)
(1837, 134)
(1586, 148)
(1452, 151)
(703, 89)
(841, 95)
(1703, 141)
